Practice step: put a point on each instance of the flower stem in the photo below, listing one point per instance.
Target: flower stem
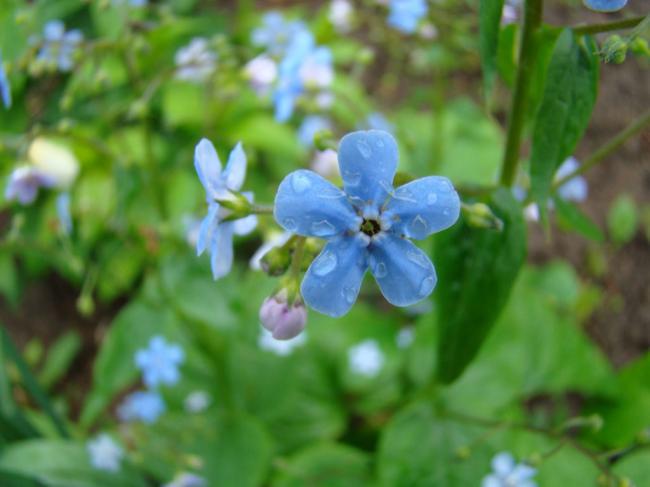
(610, 146)
(296, 258)
(517, 117)
(608, 26)
(262, 209)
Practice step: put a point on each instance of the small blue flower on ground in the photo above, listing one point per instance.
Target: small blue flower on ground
(507, 473)
(309, 127)
(5, 88)
(405, 15)
(605, 5)
(576, 188)
(105, 453)
(159, 362)
(145, 406)
(215, 233)
(59, 46)
(367, 225)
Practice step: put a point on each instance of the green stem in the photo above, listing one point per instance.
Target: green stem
(609, 147)
(262, 209)
(296, 259)
(517, 117)
(608, 26)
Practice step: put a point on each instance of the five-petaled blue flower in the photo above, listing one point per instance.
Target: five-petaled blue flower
(368, 224)
(5, 88)
(507, 473)
(605, 5)
(145, 406)
(59, 46)
(405, 15)
(276, 33)
(215, 233)
(159, 362)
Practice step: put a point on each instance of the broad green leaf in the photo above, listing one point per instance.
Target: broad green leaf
(635, 467)
(507, 53)
(567, 101)
(622, 219)
(59, 358)
(476, 271)
(327, 465)
(489, 26)
(571, 217)
(10, 479)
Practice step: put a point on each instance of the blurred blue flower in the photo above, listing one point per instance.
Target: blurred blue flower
(377, 121)
(576, 188)
(131, 3)
(310, 126)
(215, 233)
(195, 62)
(367, 225)
(366, 358)
(5, 87)
(63, 212)
(105, 453)
(276, 33)
(405, 15)
(159, 362)
(145, 406)
(59, 46)
(605, 5)
(185, 479)
(24, 183)
(507, 473)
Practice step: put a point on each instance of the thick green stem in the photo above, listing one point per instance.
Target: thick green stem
(608, 26)
(609, 147)
(517, 117)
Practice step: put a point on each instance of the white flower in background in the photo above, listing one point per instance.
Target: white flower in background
(405, 337)
(261, 72)
(185, 479)
(510, 12)
(279, 347)
(507, 473)
(576, 188)
(316, 71)
(54, 160)
(197, 401)
(195, 62)
(366, 358)
(340, 15)
(428, 31)
(105, 453)
(277, 239)
(324, 100)
(326, 163)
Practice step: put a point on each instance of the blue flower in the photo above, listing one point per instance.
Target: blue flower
(145, 406)
(506, 473)
(605, 5)
(367, 225)
(24, 183)
(276, 33)
(309, 127)
(59, 46)
(159, 362)
(215, 233)
(377, 121)
(5, 88)
(405, 15)
(576, 188)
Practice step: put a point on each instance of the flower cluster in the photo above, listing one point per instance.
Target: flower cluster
(507, 473)
(291, 66)
(195, 62)
(59, 47)
(405, 15)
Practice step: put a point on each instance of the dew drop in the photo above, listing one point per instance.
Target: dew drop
(418, 258)
(352, 178)
(418, 226)
(364, 149)
(289, 224)
(379, 143)
(432, 198)
(380, 270)
(322, 228)
(330, 193)
(446, 211)
(325, 264)
(426, 286)
(300, 183)
(350, 294)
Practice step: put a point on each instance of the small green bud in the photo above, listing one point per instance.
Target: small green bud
(324, 139)
(639, 46)
(614, 50)
(276, 261)
(463, 452)
(481, 216)
(85, 305)
(237, 203)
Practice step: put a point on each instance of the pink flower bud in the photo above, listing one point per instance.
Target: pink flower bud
(283, 320)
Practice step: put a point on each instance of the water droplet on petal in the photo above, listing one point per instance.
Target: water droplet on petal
(325, 264)
(432, 198)
(446, 211)
(426, 286)
(364, 149)
(289, 224)
(379, 270)
(322, 228)
(379, 142)
(418, 225)
(350, 294)
(330, 193)
(418, 258)
(352, 178)
(300, 183)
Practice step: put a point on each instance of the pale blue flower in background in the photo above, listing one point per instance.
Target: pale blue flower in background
(576, 188)
(276, 33)
(145, 406)
(405, 15)
(261, 72)
(310, 126)
(326, 163)
(215, 233)
(63, 212)
(5, 87)
(131, 3)
(159, 362)
(105, 453)
(316, 72)
(507, 473)
(340, 14)
(185, 479)
(24, 183)
(405, 337)
(197, 401)
(367, 225)
(279, 347)
(377, 121)
(366, 358)
(605, 5)
(58, 47)
(195, 62)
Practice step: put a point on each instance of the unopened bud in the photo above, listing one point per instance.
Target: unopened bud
(480, 215)
(463, 452)
(324, 139)
(614, 50)
(283, 320)
(639, 46)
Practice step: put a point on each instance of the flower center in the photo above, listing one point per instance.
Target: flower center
(370, 227)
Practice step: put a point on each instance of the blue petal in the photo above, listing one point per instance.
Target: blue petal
(422, 207)
(208, 165)
(235, 171)
(309, 205)
(404, 273)
(221, 252)
(208, 227)
(605, 5)
(368, 161)
(503, 464)
(63, 212)
(332, 282)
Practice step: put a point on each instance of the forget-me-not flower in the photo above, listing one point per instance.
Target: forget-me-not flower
(405, 15)
(310, 126)
(605, 5)
(195, 62)
(507, 473)
(576, 188)
(105, 453)
(159, 362)
(145, 406)
(366, 358)
(5, 88)
(367, 224)
(24, 183)
(276, 33)
(59, 46)
(215, 233)
(261, 72)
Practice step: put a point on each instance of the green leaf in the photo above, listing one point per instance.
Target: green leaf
(476, 271)
(59, 358)
(327, 464)
(571, 217)
(622, 219)
(567, 102)
(635, 467)
(489, 26)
